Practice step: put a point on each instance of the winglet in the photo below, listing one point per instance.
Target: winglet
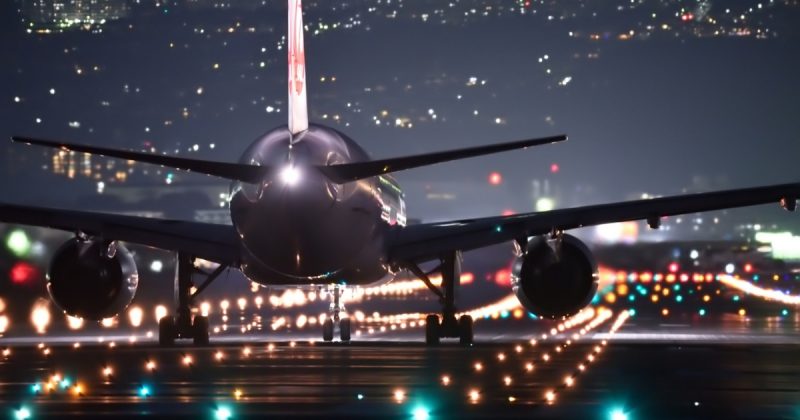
(298, 106)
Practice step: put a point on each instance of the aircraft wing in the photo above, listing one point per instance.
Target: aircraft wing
(217, 243)
(424, 242)
(340, 173)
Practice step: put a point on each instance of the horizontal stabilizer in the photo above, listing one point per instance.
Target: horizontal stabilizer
(232, 171)
(348, 172)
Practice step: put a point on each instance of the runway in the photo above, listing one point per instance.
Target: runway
(585, 370)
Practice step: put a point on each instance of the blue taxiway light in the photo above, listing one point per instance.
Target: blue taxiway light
(618, 414)
(144, 391)
(22, 414)
(223, 413)
(420, 413)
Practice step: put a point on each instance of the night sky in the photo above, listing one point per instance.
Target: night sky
(658, 97)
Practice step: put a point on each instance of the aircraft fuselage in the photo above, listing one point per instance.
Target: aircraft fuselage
(298, 227)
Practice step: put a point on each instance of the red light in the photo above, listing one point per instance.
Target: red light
(554, 168)
(748, 268)
(674, 267)
(22, 273)
(503, 277)
(508, 212)
(495, 178)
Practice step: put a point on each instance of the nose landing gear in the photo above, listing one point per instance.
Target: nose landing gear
(335, 312)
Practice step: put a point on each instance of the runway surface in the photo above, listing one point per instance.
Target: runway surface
(648, 369)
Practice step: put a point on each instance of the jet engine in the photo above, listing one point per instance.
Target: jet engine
(92, 279)
(555, 279)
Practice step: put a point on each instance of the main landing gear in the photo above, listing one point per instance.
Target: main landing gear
(182, 325)
(437, 328)
(334, 316)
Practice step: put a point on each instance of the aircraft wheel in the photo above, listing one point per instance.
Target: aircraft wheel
(200, 330)
(432, 330)
(167, 331)
(465, 335)
(327, 330)
(344, 329)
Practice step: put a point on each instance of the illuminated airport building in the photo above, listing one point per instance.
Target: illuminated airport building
(45, 16)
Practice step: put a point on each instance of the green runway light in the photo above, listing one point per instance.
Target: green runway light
(18, 243)
(360, 396)
(702, 312)
(144, 391)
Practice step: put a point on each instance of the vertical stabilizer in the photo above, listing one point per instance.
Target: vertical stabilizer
(298, 108)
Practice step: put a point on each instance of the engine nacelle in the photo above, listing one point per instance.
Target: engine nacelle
(555, 280)
(92, 279)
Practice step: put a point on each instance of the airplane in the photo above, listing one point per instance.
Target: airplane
(311, 209)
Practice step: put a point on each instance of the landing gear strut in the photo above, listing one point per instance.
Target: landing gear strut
(334, 316)
(182, 325)
(437, 328)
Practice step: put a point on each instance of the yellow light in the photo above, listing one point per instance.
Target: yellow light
(187, 360)
(706, 298)
(150, 365)
(529, 367)
(445, 380)
(246, 351)
(135, 316)
(399, 395)
(665, 312)
(507, 380)
(511, 399)
(219, 355)
(74, 323)
(742, 312)
(161, 312)
(501, 357)
(107, 371)
(237, 394)
(550, 396)
(569, 381)
(474, 395)
(40, 317)
(478, 367)
(77, 390)
(6, 352)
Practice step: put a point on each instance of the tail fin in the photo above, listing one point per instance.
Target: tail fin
(298, 107)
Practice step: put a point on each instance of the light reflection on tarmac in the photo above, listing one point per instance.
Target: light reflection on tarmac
(651, 368)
